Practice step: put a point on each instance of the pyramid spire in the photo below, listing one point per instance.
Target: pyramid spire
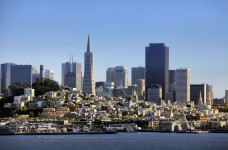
(88, 45)
(70, 57)
(200, 102)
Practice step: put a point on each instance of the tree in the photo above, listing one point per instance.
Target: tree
(31, 114)
(46, 86)
(5, 93)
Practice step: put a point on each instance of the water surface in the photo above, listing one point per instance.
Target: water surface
(120, 141)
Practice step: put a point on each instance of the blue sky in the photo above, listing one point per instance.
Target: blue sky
(46, 32)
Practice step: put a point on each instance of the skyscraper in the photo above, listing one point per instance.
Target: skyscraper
(88, 82)
(141, 88)
(121, 77)
(72, 74)
(110, 74)
(21, 73)
(42, 73)
(226, 95)
(157, 67)
(182, 86)
(196, 90)
(206, 93)
(5, 75)
(49, 74)
(137, 73)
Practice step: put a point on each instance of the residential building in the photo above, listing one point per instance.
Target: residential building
(157, 67)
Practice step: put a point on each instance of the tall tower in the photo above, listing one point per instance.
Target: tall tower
(157, 67)
(72, 74)
(88, 82)
(42, 73)
(182, 86)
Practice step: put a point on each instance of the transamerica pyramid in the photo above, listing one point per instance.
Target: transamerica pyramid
(88, 82)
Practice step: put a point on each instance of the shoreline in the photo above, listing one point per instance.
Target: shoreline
(80, 133)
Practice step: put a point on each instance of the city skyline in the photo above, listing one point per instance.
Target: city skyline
(203, 49)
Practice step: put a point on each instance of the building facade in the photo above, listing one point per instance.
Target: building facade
(157, 67)
(21, 73)
(72, 75)
(5, 75)
(120, 77)
(42, 73)
(226, 96)
(110, 74)
(182, 86)
(155, 94)
(141, 88)
(49, 74)
(196, 90)
(204, 89)
(88, 82)
(137, 73)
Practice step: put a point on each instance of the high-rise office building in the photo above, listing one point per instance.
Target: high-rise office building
(42, 73)
(141, 88)
(120, 77)
(210, 94)
(155, 94)
(34, 70)
(204, 89)
(226, 96)
(157, 67)
(72, 74)
(110, 74)
(21, 73)
(49, 74)
(182, 86)
(137, 73)
(172, 76)
(172, 84)
(5, 75)
(196, 90)
(88, 82)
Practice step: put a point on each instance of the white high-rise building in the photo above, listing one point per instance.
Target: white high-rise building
(49, 74)
(34, 70)
(141, 88)
(120, 77)
(182, 86)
